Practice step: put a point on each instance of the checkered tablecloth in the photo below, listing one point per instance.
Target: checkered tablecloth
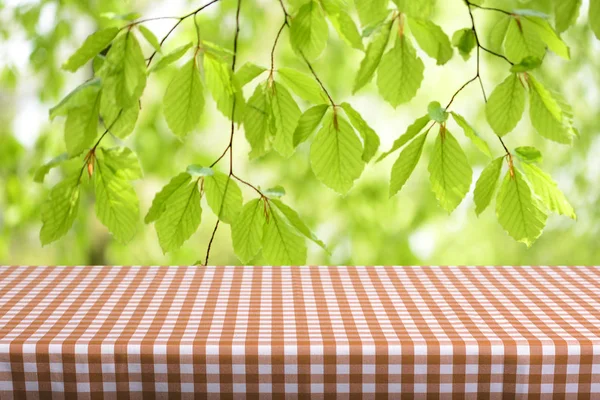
(357, 332)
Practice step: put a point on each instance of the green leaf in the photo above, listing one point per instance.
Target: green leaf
(247, 72)
(281, 244)
(336, 154)
(116, 201)
(497, 35)
(308, 31)
(223, 196)
(256, 121)
(121, 161)
(418, 9)
(42, 171)
(565, 13)
(247, 230)
(472, 134)
(184, 100)
(346, 28)
(594, 17)
(303, 85)
(180, 217)
(60, 209)
(406, 163)
(295, 220)
(412, 131)
(370, 11)
(522, 40)
(274, 192)
(544, 186)
(285, 113)
(121, 123)
(436, 112)
(218, 78)
(432, 39)
(526, 64)
(546, 114)
(81, 96)
(93, 44)
(150, 37)
(81, 127)
(373, 56)
(161, 199)
(450, 172)
(196, 170)
(370, 139)
(308, 122)
(547, 35)
(125, 70)
(486, 185)
(505, 106)
(464, 40)
(400, 73)
(170, 58)
(518, 211)
(528, 154)
(333, 7)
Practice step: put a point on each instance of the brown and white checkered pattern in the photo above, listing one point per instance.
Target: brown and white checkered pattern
(357, 332)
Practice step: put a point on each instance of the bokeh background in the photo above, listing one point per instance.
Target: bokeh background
(365, 226)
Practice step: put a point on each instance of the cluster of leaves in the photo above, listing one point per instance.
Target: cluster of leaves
(273, 120)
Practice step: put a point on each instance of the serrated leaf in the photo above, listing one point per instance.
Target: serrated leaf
(184, 100)
(161, 198)
(464, 40)
(486, 185)
(150, 37)
(42, 171)
(370, 139)
(406, 163)
(547, 35)
(413, 130)
(285, 114)
(247, 230)
(170, 58)
(60, 209)
(518, 211)
(522, 41)
(400, 73)
(295, 220)
(546, 114)
(125, 70)
(304, 86)
(431, 39)
(547, 190)
(308, 31)
(436, 112)
(281, 245)
(120, 120)
(308, 122)
(78, 97)
(528, 154)
(418, 9)
(450, 173)
(247, 72)
(472, 134)
(81, 127)
(93, 44)
(336, 154)
(497, 34)
(370, 11)
(180, 217)
(121, 161)
(218, 78)
(565, 13)
(373, 56)
(346, 28)
(256, 121)
(594, 17)
(116, 202)
(333, 7)
(505, 105)
(526, 64)
(223, 196)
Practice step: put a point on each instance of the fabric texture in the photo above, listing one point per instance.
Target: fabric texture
(287, 332)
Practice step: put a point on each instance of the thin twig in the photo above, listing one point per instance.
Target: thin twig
(489, 8)
(318, 80)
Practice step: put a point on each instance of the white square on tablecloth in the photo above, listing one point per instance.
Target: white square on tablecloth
(58, 386)
(471, 387)
(212, 368)
(394, 388)
(291, 388)
(264, 369)
(160, 368)
(316, 369)
(213, 388)
(317, 388)
(186, 368)
(31, 386)
(571, 388)
(187, 388)
(368, 388)
(265, 387)
(239, 388)
(496, 387)
(109, 386)
(343, 388)
(135, 386)
(447, 387)
(420, 387)
(290, 369)
(547, 388)
(162, 387)
(368, 369)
